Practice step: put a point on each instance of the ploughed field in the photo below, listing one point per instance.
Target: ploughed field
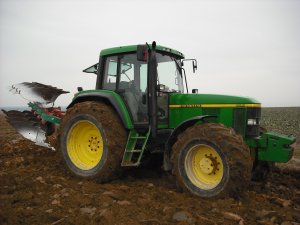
(36, 189)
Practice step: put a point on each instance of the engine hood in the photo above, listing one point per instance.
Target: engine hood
(212, 100)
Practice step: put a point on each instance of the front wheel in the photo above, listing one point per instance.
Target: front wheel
(211, 160)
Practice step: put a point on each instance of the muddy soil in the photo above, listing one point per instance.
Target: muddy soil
(36, 189)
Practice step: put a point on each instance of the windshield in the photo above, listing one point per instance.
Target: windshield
(169, 73)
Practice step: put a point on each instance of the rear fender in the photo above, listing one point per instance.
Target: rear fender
(110, 98)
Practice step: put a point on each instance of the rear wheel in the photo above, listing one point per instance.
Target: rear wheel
(210, 159)
(92, 141)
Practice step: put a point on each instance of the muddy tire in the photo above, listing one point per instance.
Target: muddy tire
(211, 160)
(92, 141)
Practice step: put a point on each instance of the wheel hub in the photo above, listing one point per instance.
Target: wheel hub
(94, 144)
(206, 165)
(209, 164)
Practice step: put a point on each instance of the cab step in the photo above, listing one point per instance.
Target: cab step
(135, 148)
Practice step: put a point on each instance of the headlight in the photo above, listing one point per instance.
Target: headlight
(252, 122)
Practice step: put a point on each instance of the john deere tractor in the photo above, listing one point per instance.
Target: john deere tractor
(212, 144)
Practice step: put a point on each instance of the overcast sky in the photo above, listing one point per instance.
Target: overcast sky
(247, 48)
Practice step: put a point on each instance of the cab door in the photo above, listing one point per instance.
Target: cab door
(128, 77)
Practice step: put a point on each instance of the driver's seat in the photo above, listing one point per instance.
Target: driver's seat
(132, 102)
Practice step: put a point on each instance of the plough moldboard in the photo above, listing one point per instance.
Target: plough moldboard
(41, 121)
(45, 94)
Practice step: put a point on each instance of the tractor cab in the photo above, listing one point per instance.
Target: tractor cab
(143, 84)
(128, 77)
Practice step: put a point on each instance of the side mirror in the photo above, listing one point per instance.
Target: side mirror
(142, 53)
(194, 66)
(194, 61)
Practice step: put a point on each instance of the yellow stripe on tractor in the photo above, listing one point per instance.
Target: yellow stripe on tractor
(214, 105)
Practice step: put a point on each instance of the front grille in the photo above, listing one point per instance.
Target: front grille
(252, 131)
(239, 120)
(253, 113)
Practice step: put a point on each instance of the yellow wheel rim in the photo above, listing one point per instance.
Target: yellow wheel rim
(204, 166)
(85, 145)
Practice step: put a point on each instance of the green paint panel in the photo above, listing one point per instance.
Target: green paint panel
(117, 97)
(273, 147)
(133, 48)
(224, 114)
(179, 115)
(44, 116)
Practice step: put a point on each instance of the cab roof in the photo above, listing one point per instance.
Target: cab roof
(133, 48)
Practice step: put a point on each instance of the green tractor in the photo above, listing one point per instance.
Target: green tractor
(212, 144)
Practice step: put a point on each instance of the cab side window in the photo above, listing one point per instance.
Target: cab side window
(110, 73)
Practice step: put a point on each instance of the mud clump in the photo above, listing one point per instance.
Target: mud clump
(36, 189)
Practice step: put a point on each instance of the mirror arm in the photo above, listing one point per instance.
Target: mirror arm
(194, 61)
(187, 89)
